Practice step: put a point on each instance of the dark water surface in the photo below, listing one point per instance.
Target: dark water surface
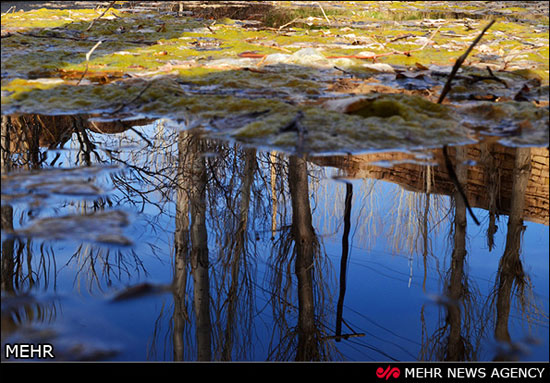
(136, 241)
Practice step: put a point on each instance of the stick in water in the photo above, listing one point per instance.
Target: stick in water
(454, 179)
(459, 62)
(100, 16)
(88, 60)
(324, 14)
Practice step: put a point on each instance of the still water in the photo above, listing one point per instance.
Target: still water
(138, 241)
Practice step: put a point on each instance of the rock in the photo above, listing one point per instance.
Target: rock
(277, 58)
(366, 54)
(380, 67)
(342, 62)
(308, 56)
(231, 63)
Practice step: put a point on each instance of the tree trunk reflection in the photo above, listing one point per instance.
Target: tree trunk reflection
(305, 242)
(181, 245)
(510, 272)
(456, 347)
(344, 260)
(237, 252)
(191, 245)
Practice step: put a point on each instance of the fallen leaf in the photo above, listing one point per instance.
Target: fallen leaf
(420, 66)
(251, 55)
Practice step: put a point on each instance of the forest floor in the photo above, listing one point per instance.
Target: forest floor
(319, 77)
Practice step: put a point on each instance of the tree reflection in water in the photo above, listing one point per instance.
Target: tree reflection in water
(512, 282)
(457, 339)
(251, 278)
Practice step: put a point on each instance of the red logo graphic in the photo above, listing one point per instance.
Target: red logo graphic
(388, 372)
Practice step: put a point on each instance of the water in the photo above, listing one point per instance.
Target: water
(156, 243)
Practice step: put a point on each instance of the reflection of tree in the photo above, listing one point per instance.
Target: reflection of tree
(199, 248)
(344, 260)
(28, 134)
(492, 175)
(26, 141)
(306, 246)
(299, 244)
(8, 281)
(181, 249)
(5, 150)
(96, 265)
(235, 257)
(510, 268)
(226, 198)
(512, 282)
(20, 314)
(19, 271)
(458, 337)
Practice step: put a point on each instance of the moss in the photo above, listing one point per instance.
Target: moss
(164, 47)
(514, 10)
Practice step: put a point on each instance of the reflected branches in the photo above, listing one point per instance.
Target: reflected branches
(458, 337)
(244, 239)
(512, 284)
(300, 245)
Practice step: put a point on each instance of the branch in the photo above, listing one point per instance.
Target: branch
(459, 62)
(100, 16)
(287, 24)
(322, 10)
(88, 61)
(456, 182)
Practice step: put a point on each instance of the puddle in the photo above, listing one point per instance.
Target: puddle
(276, 184)
(235, 253)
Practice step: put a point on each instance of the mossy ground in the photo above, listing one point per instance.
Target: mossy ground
(194, 65)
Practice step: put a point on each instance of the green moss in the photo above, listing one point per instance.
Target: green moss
(514, 10)
(185, 85)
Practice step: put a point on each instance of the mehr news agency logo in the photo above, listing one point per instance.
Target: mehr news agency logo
(531, 372)
(28, 351)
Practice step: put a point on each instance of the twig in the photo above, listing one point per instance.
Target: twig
(88, 60)
(149, 143)
(374, 56)
(475, 78)
(9, 10)
(322, 10)
(430, 38)
(406, 36)
(456, 182)
(100, 16)
(497, 79)
(133, 99)
(287, 24)
(459, 62)
(344, 71)
(210, 29)
(343, 336)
